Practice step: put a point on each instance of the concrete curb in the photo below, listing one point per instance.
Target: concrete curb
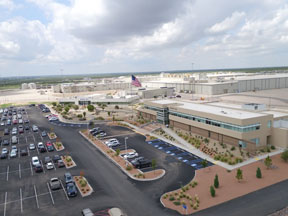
(90, 192)
(121, 168)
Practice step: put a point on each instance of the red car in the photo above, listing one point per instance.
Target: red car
(49, 146)
(15, 121)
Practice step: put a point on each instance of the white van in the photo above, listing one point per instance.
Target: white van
(35, 161)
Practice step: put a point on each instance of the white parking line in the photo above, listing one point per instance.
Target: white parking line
(20, 171)
(28, 151)
(36, 196)
(5, 203)
(21, 200)
(37, 150)
(7, 176)
(64, 190)
(50, 193)
(34, 138)
(26, 139)
(31, 169)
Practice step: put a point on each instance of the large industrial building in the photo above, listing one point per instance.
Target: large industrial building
(251, 126)
(196, 83)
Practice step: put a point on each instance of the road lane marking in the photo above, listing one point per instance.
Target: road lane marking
(50, 193)
(64, 190)
(36, 197)
(7, 176)
(21, 200)
(5, 203)
(31, 169)
(20, 171)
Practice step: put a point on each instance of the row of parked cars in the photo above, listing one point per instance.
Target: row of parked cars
(97, 132)
(55, 184)
(44, 108)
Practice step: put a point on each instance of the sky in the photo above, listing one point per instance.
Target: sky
(47, 37)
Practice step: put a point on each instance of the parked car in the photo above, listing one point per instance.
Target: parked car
(38, 168)
(32, 146)
(71, 190)
(55, 184)
(14, 140)
(47, 159)
(20, 121)
(49, 146)
(35, 161)
(34, 128)
(136, 159)
(26, 127)
(55, 158)
(60, 164)
(13, 147)
(114, 140)
(130, 155)
(5, 142)
(43, 134)
(26, 121)
(13, 154)
(142, 163)
(94, 130)
(68, 178)
(4, 151)
(40, 145)
(110, 145)
(49, 166)
(23, 152)
(87, 212)
(53, 118)
(21, 129)
(3, 156)
(6, 131)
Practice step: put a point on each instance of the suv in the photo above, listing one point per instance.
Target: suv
(35, 161)
(142, 163)
(55, 184)
(71, 190)
(34, 128)
(14, 140)
(68, 178)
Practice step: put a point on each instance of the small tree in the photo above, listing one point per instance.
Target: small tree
(258, 173)
(117, 152)
(284, 155)
(75, 107)
(268, 162)
(103, 106)
(116, 107)
(90, 108)
(109, 113)
(153, 164)
(67, 108)
(84, 114)
(212, 191)
(54, 104)
(216, 181)
(239, 174)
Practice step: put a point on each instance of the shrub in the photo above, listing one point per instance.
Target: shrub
(177, 203)
(212, 191)
(239, 174)
(172, 198)
(268, 162)
(233, 148)
(129, 168)
(80, 116)
(273, 147)
(216, 181)
(258, 173)
(116, 107)
(284, 155)
(90, 108)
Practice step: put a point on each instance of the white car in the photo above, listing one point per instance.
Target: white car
(112, 141)
(130, 155)
(32, 146)
(2, 123)
(13, 154)
(35, 161)
(49, 166)
(14, 148)
(40, 145)
(4, 151)
(53, 118)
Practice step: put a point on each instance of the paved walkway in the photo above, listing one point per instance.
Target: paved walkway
(181, 143)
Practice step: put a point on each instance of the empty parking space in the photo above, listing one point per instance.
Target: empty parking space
(13, 202)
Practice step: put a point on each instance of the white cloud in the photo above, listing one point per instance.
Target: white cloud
(9, 4)
(228, 23)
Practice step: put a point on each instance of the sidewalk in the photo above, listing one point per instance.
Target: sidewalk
(181, 143)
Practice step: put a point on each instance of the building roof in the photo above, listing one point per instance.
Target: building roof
(221, 111)
(276, 114)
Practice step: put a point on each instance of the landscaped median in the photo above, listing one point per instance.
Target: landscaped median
(207, 190)
(68, 161)
(125, 165)
(52, 135)
(83, 185)
(58, 146)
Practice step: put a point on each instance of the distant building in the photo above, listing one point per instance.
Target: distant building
(24, 86)
(154, 93)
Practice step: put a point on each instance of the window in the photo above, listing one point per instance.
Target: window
(242, 144)
(269, 124)
(255, 140)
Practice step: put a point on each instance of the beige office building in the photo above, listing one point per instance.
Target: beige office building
(246, 128)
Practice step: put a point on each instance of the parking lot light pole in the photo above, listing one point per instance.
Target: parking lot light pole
(126, 150)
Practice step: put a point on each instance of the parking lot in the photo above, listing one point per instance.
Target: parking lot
(25, 192)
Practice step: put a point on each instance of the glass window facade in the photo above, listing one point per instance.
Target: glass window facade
(269, 124)
(256, 141)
